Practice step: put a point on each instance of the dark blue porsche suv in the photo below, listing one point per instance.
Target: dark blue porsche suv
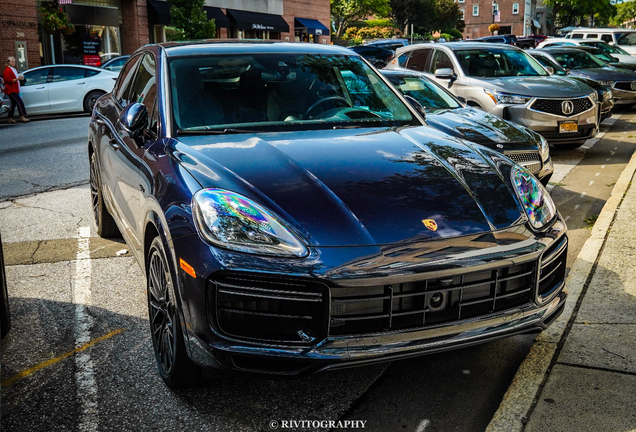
(294, 213)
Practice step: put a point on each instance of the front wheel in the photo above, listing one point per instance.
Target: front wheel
(175, 367)
(90, 99)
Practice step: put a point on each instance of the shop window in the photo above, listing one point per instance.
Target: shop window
(91, 45)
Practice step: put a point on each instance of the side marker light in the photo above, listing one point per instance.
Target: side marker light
(187, 268)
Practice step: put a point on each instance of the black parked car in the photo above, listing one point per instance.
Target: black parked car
(379, 57)
(504, 39)
(450, 115)
(5, 315)
(604, 92)
(293, 213)
(582, 64)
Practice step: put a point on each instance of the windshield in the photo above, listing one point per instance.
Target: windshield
(428, 94)
(577, 60)
(606, 48)
(547, 62)
(602, 56)
(498, 62)
(626, 39)
(262, 91)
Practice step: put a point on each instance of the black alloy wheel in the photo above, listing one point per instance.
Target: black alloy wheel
(91, 99)
(106, 226)
(175, 367)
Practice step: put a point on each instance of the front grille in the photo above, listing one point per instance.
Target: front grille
(417, 304)
(555, 135)
(270, 308)
(529, 160)
(554, 106)
(625, 85)
(552, 273)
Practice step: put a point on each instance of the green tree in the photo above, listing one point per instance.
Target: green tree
(624, 12)
(346, 12)
(571, 12)
(427, 15)
(189, 17)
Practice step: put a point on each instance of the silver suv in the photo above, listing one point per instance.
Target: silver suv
(507, 82)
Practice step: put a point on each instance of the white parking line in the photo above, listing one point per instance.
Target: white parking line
(82, 298)
(592, 182)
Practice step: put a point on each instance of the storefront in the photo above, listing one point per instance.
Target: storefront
(254, 25)
(309, 30)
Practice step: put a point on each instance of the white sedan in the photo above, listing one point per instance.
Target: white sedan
(64, 88)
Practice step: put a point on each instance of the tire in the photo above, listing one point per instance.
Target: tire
(5, 314)
(175, 367)
(379, 65)
(90, 99)
(474, 105)
(104, 222)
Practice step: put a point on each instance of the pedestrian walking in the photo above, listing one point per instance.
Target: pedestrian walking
(12, 89)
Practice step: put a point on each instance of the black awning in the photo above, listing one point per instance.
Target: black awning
(311, 26)
(257, 21)
(159, 13)
(93, 15)
(217, 14)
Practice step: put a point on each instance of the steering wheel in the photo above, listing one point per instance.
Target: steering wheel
(327, 99)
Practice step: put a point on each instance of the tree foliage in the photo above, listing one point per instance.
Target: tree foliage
(345, 12)
(427, 15)
(625, 11)
(189, 17)
(571, 12)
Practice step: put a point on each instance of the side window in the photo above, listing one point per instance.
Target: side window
(144, 88)
(66, 74)
(592, 36)
(125, 79)
(577, 36)
(36, 77)
(607, 38)
(440, 61)
(419, 58)
(403, 59)
(90, 72)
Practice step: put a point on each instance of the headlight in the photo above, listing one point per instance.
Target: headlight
(607, 95)
(506, 98)
(594, 96)
(607, 83)
(544, 148)
(533, 196)
(232, 221)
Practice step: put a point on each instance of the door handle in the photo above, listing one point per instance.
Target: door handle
(82, 83)
(39, 88)
(113, 143)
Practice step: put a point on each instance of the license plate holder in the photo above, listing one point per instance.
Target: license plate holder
(568, 127)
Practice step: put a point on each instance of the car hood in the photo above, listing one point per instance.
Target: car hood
(482, 128)
(604, 74)
(358, 187)
(537, 86)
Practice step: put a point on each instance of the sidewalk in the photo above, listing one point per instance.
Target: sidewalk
(580, 374)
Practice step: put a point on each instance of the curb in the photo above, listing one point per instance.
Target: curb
(518, 401)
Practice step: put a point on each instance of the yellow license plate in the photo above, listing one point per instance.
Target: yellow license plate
(568, 127)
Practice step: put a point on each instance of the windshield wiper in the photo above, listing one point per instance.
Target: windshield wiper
(216, 131)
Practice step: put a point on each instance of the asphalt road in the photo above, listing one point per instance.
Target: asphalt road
(69, 289)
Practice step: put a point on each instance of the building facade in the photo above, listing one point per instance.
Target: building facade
(517, 17)
(107, 28)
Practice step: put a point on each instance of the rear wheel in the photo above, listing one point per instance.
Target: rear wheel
(379, 65)
(106, 226)
(175, 367)
(90, 99)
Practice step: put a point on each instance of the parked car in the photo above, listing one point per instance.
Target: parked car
(5, 102)
(293, 213)
(390, 44)
(505, 81)
(601, 55)
(526, 42)
(378, 57)
(448, 114)
(64, 88)
(605, 95)
(503, 39)
(583, 64)
(622, 38)
(618, 53)
(115, 64)
(5, 313)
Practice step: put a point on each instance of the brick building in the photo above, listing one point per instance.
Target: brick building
(106, 28)
(516, 17)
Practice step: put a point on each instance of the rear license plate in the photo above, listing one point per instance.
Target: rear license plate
(568, 127)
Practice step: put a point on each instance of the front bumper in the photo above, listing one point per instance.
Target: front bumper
(623, 97)
(345, 334)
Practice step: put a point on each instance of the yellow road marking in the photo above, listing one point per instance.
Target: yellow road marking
(25, 373)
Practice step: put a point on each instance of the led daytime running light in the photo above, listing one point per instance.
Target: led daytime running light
(534, 198)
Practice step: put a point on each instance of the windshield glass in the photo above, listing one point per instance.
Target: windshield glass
(603, 56)
(626, 39)
(606, 48)
(545, 62)
(273, 90)
(577, 60)
(497, 62)
(428, 94)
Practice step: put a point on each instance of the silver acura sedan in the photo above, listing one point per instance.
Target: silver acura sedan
(507, 82)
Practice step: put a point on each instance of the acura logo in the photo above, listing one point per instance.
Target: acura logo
(567, 107)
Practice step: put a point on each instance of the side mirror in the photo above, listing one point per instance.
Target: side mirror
(415, 104)
(550, 70)
(445, 73)
(133, 119)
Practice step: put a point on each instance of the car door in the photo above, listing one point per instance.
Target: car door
(67, 89)
(35, 91)
(130, 151)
